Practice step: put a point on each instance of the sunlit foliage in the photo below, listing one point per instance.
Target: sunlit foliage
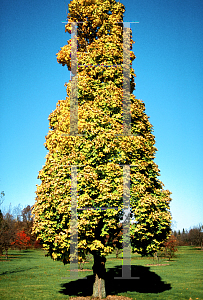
(99, 152)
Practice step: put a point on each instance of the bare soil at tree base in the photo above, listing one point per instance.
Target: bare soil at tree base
(110, 297)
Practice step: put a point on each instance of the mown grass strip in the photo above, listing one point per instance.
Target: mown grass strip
(30, 275)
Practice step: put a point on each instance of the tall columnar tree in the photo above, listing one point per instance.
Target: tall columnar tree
(99, 150)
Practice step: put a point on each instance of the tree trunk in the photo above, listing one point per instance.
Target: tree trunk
(100, 274)
(6, 255)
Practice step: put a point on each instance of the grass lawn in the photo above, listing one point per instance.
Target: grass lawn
(30, 275)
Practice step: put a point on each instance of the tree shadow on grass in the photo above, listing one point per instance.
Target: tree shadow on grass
(148, 282)
(16, 271)
(12, 257)
(197, 249)
(18, 253)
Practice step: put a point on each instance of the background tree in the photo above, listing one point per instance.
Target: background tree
(1, 226)
(2, 197)
(99, 152)
(27, 223)
(15, 229)
(195, 235)
(7, 232)
(22, 240)
(181, 237)
(38, 244)
(192, 237)
(1, 219)
(170, 247)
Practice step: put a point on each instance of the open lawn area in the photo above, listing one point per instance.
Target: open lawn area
(30, 275)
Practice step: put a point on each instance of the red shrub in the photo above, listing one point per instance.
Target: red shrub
(22, 241)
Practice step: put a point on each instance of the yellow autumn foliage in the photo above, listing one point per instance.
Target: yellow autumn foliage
(100, 149)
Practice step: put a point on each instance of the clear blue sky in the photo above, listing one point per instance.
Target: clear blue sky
(169, 49)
